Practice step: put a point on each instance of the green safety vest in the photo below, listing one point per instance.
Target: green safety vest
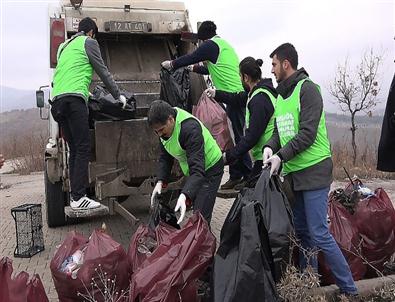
(256, 151)
(287, 121)
(212, 152)
(73, 73)
(225, 72)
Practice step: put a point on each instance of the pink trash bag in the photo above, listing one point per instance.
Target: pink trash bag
(214, 117)
(19, 288)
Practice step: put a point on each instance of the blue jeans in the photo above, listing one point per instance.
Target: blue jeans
(312, 230)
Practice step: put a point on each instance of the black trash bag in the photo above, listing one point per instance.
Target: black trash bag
(277, 219)
(103, 107)
(243, 265)
(174, 88)
(162, 212)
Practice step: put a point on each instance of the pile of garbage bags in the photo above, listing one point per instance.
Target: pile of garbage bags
(363, 224)
(19, 288)
(163, 263)
(214, 117)
(254, 244)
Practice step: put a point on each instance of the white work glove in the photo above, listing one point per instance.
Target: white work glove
(167, 65)
(181, 205)
(122, 99)
(210, 92)
(274, 162)
(190, 68)
(157, 190)
(267, 153)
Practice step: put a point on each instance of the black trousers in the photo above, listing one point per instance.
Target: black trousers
(205, 198)
(242, 167)
(71, 113)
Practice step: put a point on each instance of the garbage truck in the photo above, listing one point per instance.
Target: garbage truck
(134, 37)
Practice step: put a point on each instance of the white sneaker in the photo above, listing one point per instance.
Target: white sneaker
(84, 203)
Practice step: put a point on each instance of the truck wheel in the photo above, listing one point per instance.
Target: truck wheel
(55, 201)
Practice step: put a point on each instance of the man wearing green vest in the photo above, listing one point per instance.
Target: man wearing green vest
(222, 64)
(300, 143)
(184, 138)
(77, 58)
(259, 99)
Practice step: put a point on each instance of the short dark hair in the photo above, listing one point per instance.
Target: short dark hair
(288, 52)
(207, 30)
(87, 24)
(159, 112)
(251, 67)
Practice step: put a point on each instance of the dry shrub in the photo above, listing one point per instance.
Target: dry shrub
(383, 294)
(365, 167)
(106, 287)
(296, 286)
(26, 152)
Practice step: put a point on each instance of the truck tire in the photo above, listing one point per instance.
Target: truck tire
(55, 201)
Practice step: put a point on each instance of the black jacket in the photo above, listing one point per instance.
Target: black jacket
(191, 140)
(386, 152)
(319, 175)
(207, 51)
(261, 110)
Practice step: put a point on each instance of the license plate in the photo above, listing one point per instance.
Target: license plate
(127, 26)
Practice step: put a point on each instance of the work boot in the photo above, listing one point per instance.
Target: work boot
(230, 184)
(84, 203)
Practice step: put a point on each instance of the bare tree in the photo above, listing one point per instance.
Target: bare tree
(356, 90)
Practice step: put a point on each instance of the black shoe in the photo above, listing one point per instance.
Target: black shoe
(230, 184)
(240, 186)
(351, 297)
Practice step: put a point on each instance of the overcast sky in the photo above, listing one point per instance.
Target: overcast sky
(324, 33)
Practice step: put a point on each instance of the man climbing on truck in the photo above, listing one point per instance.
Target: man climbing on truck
(77, 57)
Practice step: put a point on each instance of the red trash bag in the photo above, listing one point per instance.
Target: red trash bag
(102, 256)
(375, 219)
(214, 117)
(20, 288)
(344, 231)
(169, 272)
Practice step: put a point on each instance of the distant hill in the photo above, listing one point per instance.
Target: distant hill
(21, 123)
(27, 122)
(13, 98)
(376, 119)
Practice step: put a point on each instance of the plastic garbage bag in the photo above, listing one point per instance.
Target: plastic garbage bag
(167, 262)
(102, 257)
(175, 87)
(102, 106)
(375, 220)
(19, 288)
(343, 229)
(254, 244)
(162, 212)
(277, 218)
(214, 117)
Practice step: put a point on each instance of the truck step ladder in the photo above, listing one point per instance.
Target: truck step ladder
(100, 211)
